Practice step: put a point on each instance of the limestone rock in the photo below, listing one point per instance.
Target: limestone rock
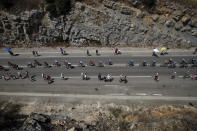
(177, 15)
(186, 19)
(169, 23)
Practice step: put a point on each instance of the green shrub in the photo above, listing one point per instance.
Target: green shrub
(148, 3)
(50, 1)
(58, 7)
(51, 8)
(6, 3)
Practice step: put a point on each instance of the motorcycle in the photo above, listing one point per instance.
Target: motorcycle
(108, 78)
(3, 68)
(123, 79)
(84, 76)
(56, 63)
(48, 78)
(31, 65)
(15, 66)
(110, 62)
(91, 63)
(46, 65)
(173, 65)
(156, 77)
(131, 63)
(36, 63)
(81, 64)
(144, 63)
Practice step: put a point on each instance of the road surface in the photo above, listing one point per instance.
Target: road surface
(140, 87)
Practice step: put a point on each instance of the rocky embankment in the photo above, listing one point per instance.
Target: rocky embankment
(109, 117)
(105, 23)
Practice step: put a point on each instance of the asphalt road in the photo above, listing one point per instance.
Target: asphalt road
(140, 80)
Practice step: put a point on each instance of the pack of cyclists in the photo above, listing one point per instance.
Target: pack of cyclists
(168, 63)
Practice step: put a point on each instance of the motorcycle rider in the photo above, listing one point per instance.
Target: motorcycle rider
(57, 63)
(19, 74)
(144, 63)
(186, 75)
(37, 63)
(193, 60)
(81, 64)
(84, 76)
(88, 53)
(156, 76)
(99, 76)
(35, 53)
(110, 62)
(100, 64)
(173, 75)
(131, 63)
(183, 63)
(62, 76)
(63, 52)
(30, 64)
(91, 62)
(195, 51)
(170, 61)
(155, 51)
(123, 78)
(97, 52)
(46, 64)
(117, 51)
(154, 63)
(108, 77)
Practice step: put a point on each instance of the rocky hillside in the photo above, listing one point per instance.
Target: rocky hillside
(108, 117)
(104, 23)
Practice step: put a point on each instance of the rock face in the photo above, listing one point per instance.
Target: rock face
(111, 23)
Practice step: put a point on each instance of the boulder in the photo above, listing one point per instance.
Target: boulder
(126, 10)
(110, 4)
(31, 125)
(177, 15)
(39, 117)
(155, 17)
(186, 19)
(178, 26)
(186, 28)
(194, 32)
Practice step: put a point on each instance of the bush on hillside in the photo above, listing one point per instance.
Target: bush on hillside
(6, 4)
(58, 7)
(148, 3)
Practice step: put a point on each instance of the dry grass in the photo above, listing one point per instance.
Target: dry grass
(165, 117)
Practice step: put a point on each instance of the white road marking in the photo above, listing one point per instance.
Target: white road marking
(111, 85)
(157, 94)
(141, 94)
(121, 94)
